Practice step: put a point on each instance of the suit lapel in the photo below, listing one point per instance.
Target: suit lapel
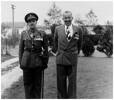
(74, 31)
(64, 34)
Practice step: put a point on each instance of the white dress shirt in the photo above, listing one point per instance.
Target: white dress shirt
(70, 28)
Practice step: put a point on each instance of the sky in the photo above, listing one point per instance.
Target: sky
(103, 9)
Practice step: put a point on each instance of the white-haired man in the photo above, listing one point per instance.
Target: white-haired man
(67, 45)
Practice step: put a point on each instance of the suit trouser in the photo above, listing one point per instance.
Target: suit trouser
(66, 81)
(32, 83)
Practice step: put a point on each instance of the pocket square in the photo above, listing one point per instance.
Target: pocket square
(76, 38)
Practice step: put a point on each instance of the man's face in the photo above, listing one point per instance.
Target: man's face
(67, 18)
(32, 23)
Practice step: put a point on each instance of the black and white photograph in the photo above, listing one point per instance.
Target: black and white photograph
(56, 49)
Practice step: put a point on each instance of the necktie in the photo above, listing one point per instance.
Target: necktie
(68, 34)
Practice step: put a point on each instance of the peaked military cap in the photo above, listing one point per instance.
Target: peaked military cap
(31, 16)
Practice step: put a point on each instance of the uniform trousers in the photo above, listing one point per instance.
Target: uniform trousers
(32, 83)
(66, 81)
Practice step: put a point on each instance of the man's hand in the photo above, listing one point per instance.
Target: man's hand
(50, 51)
(53, 53)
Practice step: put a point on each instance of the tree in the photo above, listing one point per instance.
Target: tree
(8, 39)
(82, 23)
(46, 22)
(54, 15)
(91, 18)
(54, 19)
(78, 20)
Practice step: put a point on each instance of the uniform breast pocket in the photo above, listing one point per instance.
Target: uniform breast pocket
(38, 43)
(27, 43)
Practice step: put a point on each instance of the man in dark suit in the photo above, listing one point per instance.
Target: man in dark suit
(67, 45)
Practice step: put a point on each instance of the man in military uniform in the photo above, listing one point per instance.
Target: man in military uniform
(33, 56)
(67, 45)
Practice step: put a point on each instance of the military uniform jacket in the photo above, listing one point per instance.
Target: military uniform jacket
(32, 48)
(67, 51)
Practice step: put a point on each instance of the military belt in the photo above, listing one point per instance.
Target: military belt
(33, 51)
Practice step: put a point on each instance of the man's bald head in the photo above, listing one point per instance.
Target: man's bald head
(67, 17)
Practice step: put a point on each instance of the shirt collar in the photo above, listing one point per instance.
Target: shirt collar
(68, 26)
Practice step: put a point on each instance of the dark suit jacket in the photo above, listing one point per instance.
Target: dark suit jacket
(67, 51)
